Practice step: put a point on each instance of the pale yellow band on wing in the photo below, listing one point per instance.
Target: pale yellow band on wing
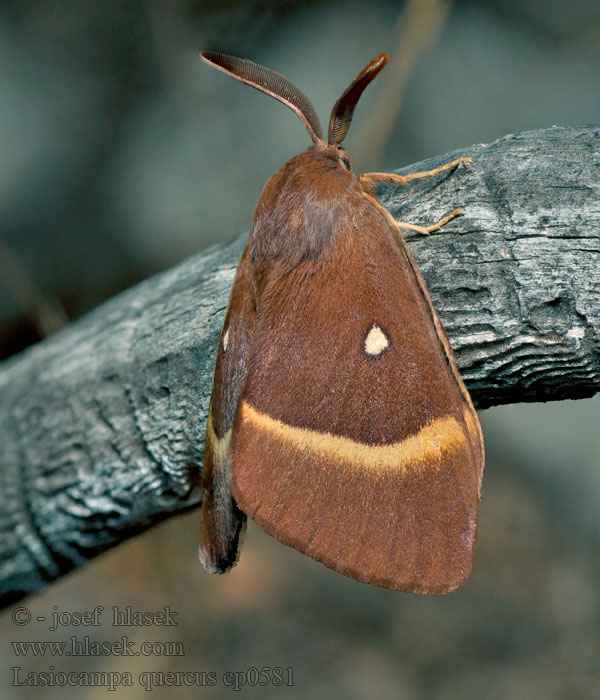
(440, 435)
(219, 446)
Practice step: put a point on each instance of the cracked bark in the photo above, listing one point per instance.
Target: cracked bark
(102, 424)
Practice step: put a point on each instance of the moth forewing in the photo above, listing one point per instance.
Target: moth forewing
(222, 521)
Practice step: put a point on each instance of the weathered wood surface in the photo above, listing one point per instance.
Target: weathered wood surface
(102, 424)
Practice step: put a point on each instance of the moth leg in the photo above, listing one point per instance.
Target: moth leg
(426, 230)
(368, 184)
(368, 180)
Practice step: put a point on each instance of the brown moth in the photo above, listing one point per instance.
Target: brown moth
(338, 419)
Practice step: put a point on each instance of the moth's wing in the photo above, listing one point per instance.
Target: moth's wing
(356, 441)
(222, 521)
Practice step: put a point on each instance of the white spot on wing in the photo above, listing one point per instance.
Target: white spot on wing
(376, 341)
(225, 340)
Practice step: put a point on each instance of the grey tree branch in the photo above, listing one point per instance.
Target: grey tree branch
(102, 424)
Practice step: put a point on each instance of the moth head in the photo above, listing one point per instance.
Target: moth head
(282, 89)
(343, 157)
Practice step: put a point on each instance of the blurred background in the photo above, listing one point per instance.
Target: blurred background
(121, 154)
